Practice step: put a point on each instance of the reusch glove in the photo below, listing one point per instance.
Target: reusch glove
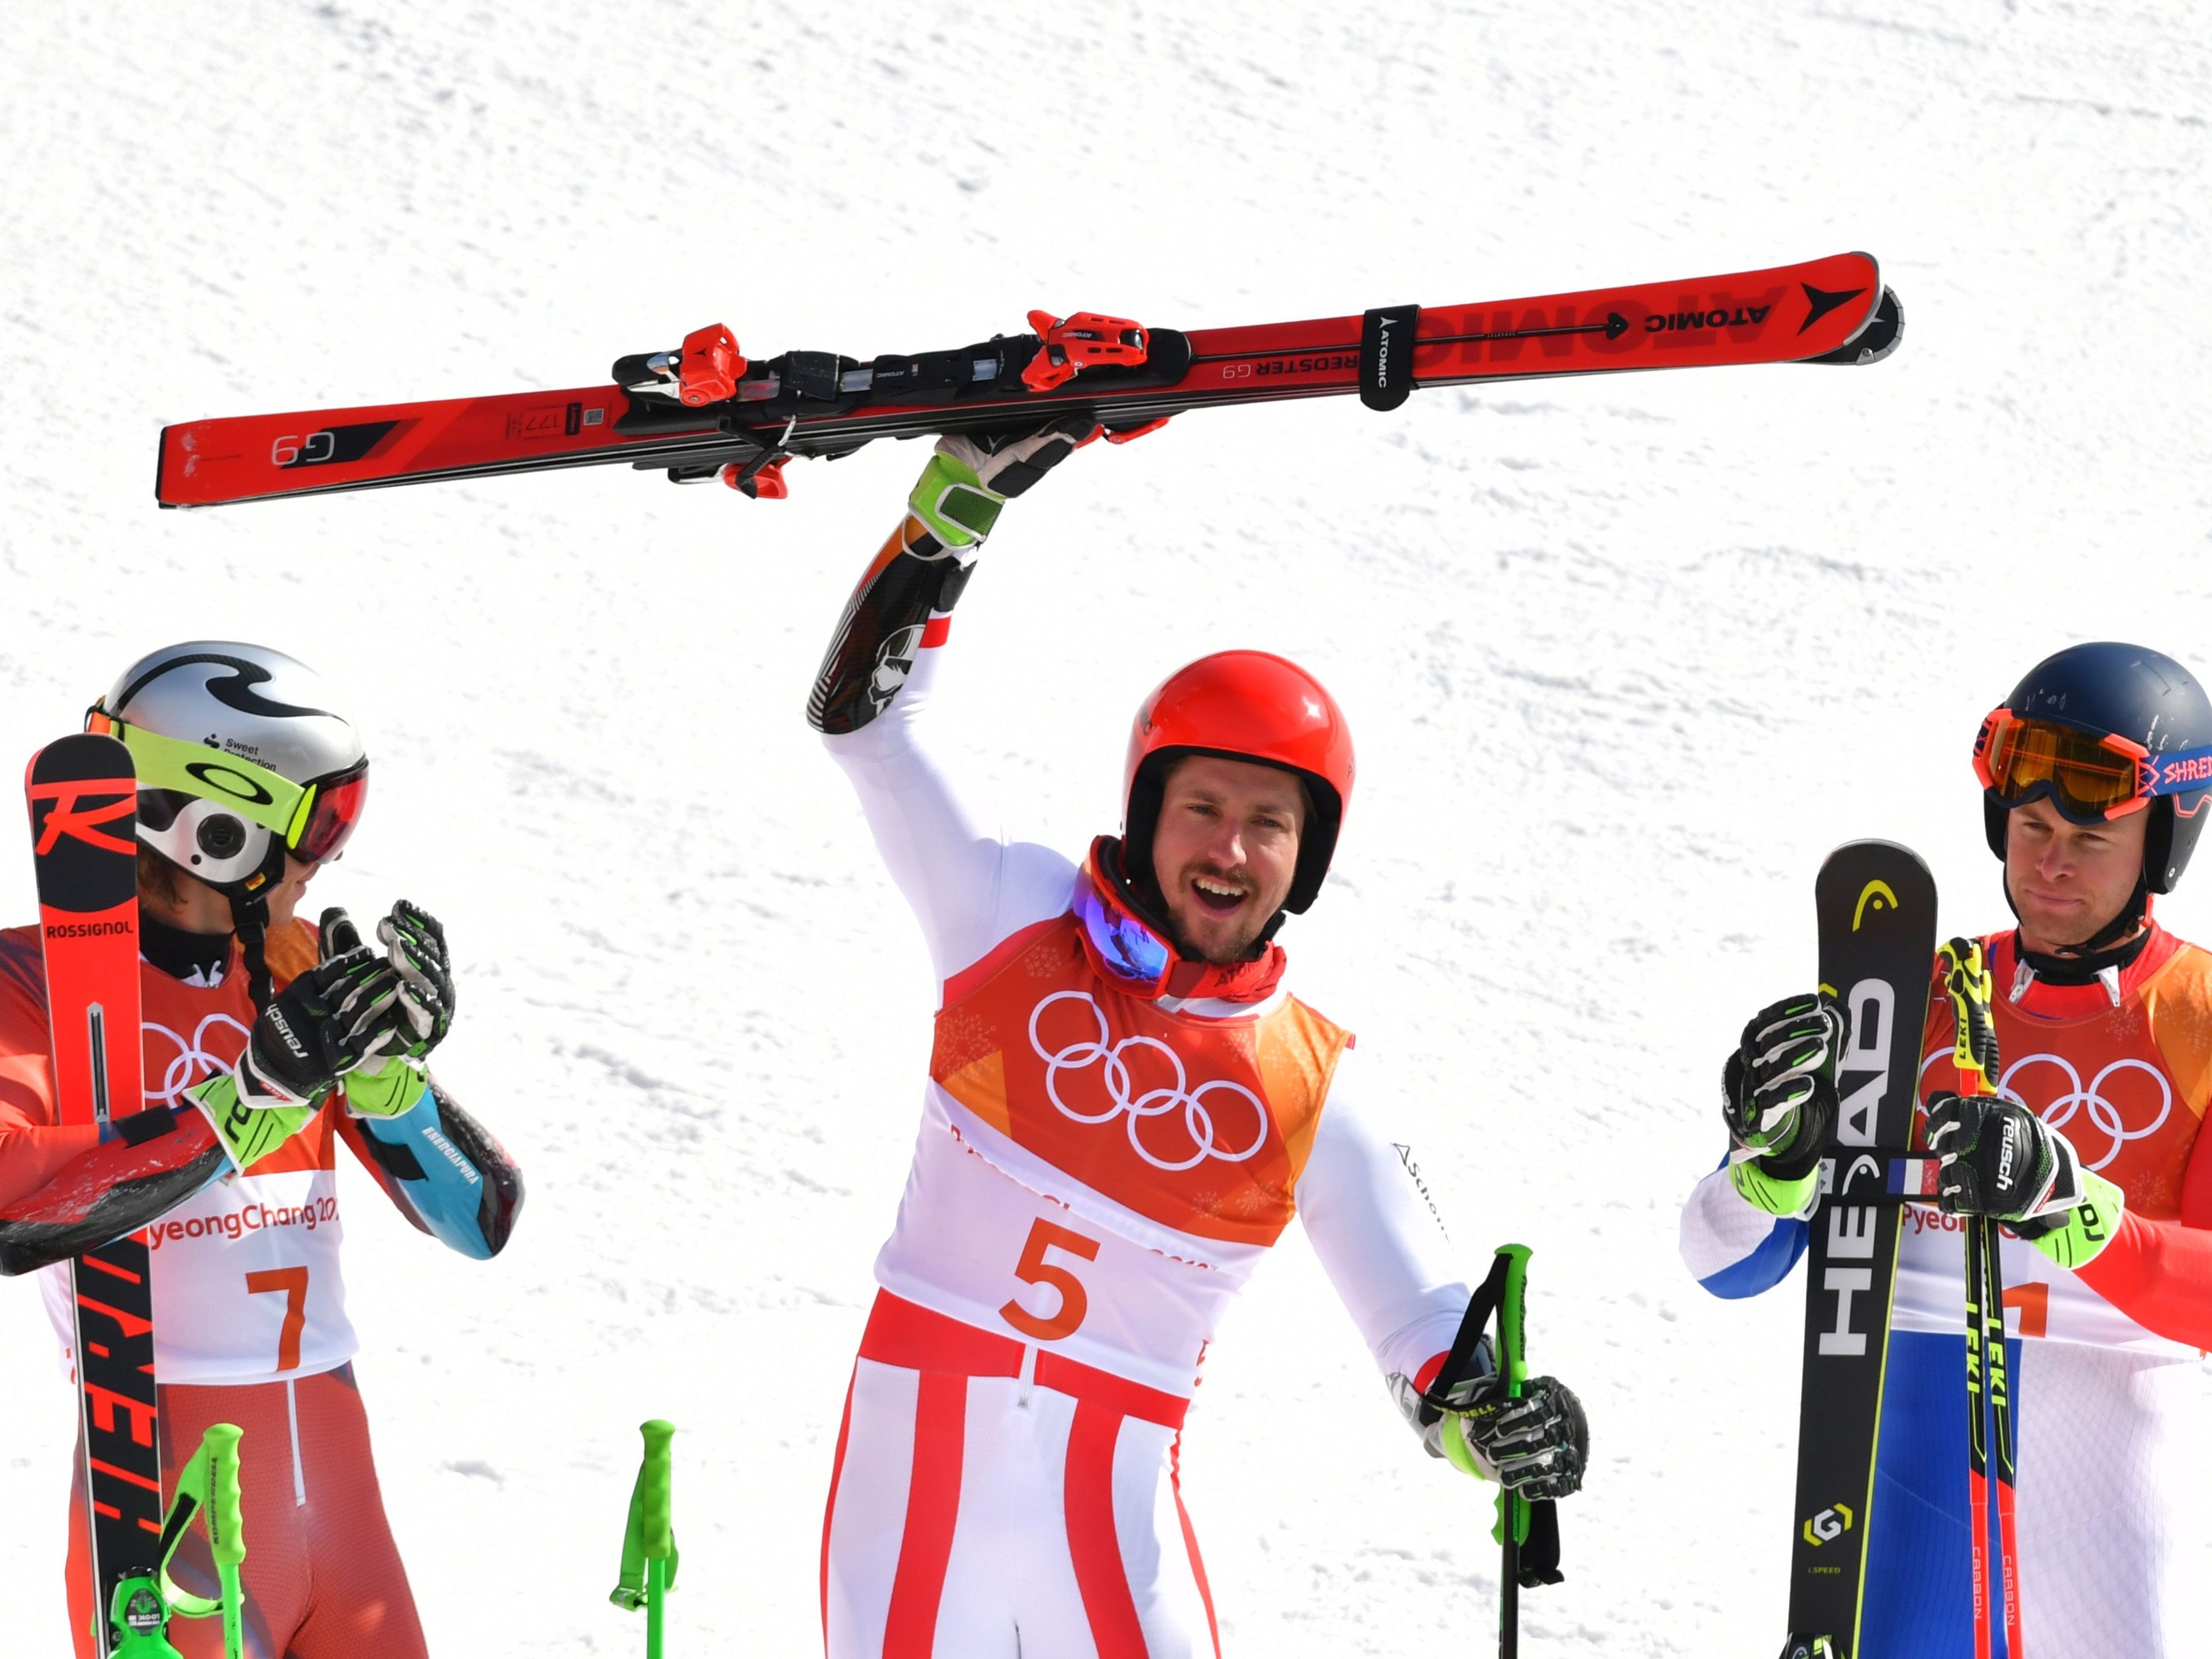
(1535, 1447)
(318, 1027)
(973, 475)
(390, 1079)
(1779, 1101)
(1996, 1159)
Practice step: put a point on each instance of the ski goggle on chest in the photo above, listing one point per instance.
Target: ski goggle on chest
(1121, 944)
(314, 820)
(2089, 779)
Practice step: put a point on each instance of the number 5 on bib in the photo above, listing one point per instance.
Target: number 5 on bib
(1034, 1269)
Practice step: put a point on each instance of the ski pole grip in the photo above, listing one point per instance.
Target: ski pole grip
(654, 1483)
(225, 1512)
(1512, 1358)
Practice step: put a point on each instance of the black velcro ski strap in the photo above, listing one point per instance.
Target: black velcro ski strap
(1386, 355)
(1539, 1550)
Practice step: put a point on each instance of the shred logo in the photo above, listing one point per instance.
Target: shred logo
(1828, 1525)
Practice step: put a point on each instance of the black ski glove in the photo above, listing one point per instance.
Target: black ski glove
(322, 1024)
(415, 945)
(1779, 1086)
(1536, 1446)
(2000, 1160)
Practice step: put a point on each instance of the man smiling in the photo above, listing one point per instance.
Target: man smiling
(2094, 774)
(1125, 1110)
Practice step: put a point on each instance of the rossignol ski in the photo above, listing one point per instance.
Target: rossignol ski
(1876, 905)
(83, 797)
(704, 410)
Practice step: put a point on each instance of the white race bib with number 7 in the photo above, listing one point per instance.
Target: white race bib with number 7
(246, 1285)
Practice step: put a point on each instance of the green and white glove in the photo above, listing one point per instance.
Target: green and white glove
(390, 1079)
(319, 1027)
(1779, 1101)
(973, 475)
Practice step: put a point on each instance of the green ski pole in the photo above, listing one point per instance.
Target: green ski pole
(649, 1554)
(208, 1490)
(1512, 1513)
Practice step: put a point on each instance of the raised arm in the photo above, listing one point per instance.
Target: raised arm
(968, 887)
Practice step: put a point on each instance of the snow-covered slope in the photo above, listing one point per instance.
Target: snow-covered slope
(1624, 656)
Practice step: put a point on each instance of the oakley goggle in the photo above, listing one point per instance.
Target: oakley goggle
(313, 820)
(1123, 946)
(2089, 779)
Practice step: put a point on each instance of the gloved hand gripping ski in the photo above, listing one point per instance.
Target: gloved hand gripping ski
(915, 580)
(1779, 1090)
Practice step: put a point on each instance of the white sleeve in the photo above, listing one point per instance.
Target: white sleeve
(1378, 1237)
(969, 887)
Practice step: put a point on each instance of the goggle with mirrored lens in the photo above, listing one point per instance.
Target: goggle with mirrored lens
(2089, 779)
(1121, 943)
(314, 820)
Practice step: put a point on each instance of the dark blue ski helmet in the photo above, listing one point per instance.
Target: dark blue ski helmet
(2109, 690)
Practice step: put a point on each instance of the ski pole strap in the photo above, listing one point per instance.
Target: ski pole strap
(1459, 1363)
(650, 1536)
(207, 1490)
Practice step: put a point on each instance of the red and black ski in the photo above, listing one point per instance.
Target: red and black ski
(83, 797)
(704, 409)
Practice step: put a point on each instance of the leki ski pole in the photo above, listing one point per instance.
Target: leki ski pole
(648, 1557)
(1527, 1534)
(1989, 1395)
(208, 1490)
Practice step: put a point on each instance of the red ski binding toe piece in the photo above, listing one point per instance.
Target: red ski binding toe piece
(1086, 340)
(709, 366)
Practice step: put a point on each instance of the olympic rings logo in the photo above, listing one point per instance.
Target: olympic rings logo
(192, 1063)
(2103, 1112)
(1198, 1121)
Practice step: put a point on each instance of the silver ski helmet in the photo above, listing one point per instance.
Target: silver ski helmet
(240, 760)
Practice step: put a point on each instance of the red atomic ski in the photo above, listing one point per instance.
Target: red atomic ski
(703, 409)
(83, 797)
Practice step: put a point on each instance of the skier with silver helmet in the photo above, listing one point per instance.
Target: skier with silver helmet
(1125, 1108)
(267, 1041)
(2095, 774)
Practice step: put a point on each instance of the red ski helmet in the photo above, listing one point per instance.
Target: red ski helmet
(1247, 706)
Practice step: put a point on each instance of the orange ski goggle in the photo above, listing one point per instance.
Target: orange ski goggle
(2089, 779)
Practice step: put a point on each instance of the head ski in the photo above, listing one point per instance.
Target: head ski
(1876, 905)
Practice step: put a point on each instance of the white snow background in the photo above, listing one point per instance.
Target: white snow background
(1625, 657)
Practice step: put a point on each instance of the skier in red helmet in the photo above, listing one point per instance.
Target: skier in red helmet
(1125, 1108)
